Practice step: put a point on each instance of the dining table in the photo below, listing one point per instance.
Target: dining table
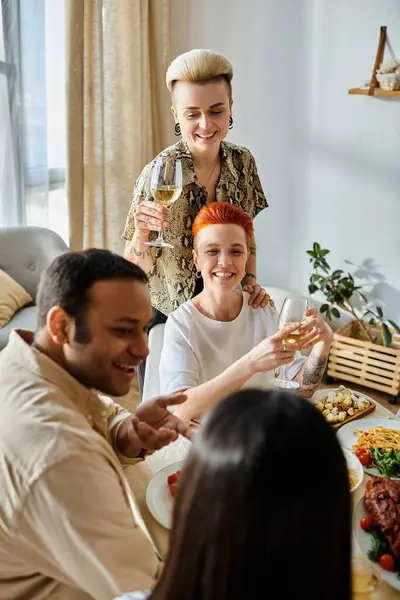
(140, 475)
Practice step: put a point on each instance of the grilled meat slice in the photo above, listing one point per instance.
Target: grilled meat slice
(382, 499)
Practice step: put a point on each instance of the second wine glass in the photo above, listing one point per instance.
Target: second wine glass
(166, 187)
(292, 311)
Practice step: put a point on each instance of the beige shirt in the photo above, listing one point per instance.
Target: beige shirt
(173, 277)
(67, 516)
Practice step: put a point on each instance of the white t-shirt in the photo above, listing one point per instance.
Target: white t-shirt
(196, 349)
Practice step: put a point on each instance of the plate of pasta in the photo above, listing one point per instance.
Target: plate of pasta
(376, 443)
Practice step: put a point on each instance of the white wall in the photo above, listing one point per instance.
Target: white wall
(353, 190)
(329, 162)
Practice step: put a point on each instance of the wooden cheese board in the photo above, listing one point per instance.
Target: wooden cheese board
(321, 397)
(358, 415)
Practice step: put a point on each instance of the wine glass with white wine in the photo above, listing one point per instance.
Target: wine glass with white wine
(166, 187)
(292, 311)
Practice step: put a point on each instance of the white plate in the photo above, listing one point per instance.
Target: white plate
(158, 499)
(364, 540)
(354, 463)
(347, 438)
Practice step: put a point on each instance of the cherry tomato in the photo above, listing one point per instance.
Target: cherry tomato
(172, 478)
(367, 522)
(360, 452)
(172, 482)
(386, 561)
(365, 460)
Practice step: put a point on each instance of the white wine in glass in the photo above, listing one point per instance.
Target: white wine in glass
(166, 187)
(292, 311)
(166, 195)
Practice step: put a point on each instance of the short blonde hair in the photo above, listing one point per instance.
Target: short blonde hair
(199, 66)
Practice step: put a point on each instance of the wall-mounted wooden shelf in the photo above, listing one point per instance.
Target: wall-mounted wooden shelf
(377, 92)
(374, 89)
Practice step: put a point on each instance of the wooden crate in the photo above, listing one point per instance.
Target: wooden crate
(359, 361)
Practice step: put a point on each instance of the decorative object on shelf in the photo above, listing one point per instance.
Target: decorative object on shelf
(389, 66)
(364, 84)
(388, 75)
(385, 80)
(366, 352)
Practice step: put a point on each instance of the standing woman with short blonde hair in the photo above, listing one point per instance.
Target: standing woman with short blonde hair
(213, 170)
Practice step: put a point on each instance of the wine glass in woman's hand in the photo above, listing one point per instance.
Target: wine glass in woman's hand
(166, 187)
(292, 311)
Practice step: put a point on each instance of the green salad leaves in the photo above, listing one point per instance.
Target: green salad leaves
(387, 461)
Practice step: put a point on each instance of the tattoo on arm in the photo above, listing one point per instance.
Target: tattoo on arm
(132, 251)
(311, 374)
(314, 369)
(139, 253)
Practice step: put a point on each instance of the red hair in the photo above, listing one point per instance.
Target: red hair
(222, 213)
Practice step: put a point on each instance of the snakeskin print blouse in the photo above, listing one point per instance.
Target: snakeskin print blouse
(172, 278)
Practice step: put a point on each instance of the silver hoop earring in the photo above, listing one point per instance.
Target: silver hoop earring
(198, 274)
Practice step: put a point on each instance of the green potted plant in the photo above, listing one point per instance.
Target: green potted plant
(339, 288)
(372, 329)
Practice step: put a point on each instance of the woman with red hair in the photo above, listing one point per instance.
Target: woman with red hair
(216, 343)
(200, 82)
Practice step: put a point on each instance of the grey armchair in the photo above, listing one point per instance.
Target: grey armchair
(24, 254)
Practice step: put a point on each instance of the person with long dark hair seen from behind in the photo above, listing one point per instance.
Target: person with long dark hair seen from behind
(262, 507)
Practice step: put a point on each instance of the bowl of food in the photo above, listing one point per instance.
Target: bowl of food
(356, 472)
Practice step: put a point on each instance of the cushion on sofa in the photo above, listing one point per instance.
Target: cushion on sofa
(26, 318)
(12, 297)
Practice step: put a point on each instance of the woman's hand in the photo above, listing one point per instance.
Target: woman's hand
(150, 216)
(259, 298)
(272, 352)
(315, 330)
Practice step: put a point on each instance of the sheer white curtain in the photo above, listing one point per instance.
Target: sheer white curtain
(10, 205)
(118, 109)
(32, 115)
(43, 84)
